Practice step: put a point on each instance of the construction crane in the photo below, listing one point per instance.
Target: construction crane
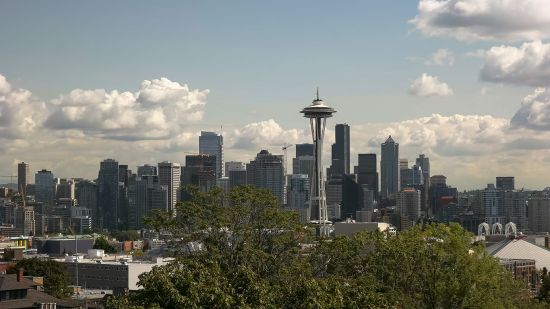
(11, 177)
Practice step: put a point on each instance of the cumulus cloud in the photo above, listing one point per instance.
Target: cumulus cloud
(158, 110)
(534, 112)
(429, 86)
(265, 134)
(441, 57)
(454, 135)
(527, 65)
(20, 112)
(484, 19)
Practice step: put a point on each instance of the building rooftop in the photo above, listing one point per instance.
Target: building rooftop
(10, 283)
(520, 249)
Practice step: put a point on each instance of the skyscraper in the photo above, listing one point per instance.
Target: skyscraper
(408, 204)
(267, 171)
(350, 197)
(506, 183)
(234, 166)
(367, 172)
(86, 194)
(423, 163)
(200, 171)
(211, 143)
(22, 178)
(44, 187)
(146, 170)
(298, 195)
(405, 173)
(169, 176)
(389, 168)
(341, 151)
(108, 194)
(64, 188)
(236, 173)
(149, 195)
(304, 150)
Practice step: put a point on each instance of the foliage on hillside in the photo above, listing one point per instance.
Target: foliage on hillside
(253, 257)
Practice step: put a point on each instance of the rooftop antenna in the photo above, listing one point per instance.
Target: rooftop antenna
(317, 93)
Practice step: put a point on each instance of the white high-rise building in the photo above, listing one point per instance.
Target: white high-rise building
(211, 143)
(169, 175)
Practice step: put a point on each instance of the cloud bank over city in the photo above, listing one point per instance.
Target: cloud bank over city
(152, 124)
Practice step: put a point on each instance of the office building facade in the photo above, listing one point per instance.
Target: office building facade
(267, 171)
(389, 168)
(211, 143)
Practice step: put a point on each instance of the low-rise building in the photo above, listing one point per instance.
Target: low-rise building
(119, 276)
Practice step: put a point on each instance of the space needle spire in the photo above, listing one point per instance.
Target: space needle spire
(318, 113)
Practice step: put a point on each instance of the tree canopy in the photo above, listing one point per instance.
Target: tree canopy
(56, 276)
(102, 243)
(243, 250)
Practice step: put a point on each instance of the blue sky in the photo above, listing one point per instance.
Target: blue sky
(262, 61)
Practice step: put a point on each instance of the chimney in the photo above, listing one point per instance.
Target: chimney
(20, 275)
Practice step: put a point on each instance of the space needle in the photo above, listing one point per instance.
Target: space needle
(318, 113)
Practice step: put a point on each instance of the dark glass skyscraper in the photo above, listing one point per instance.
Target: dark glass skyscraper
(22, 178)
(304, 150)
(506, 183)
(200, 171)
(340, 151)
(389, 168)
(367, 172)
(108, 194)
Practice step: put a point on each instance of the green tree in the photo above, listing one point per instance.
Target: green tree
(125, 235)
(102, 243)
(56, 276)
(250, 253)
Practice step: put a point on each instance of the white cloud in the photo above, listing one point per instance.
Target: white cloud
(441, 57)
(160, 109)
(429, 86)
(469, 149)
(20, 112)
(534, 112)
(510, 20)
(266, 134)
(527, 65)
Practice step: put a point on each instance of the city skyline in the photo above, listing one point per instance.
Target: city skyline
(470, 98)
